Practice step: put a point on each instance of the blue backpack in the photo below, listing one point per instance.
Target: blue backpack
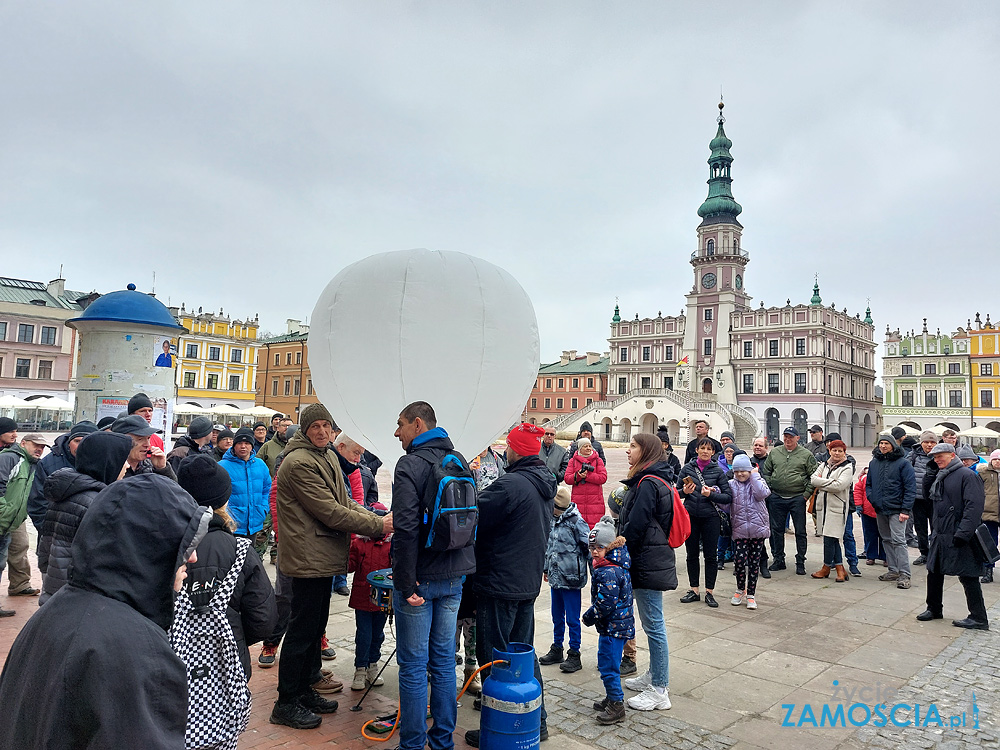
(450, 508)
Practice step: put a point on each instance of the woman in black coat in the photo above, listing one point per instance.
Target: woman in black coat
(957, 495)
(703, 485)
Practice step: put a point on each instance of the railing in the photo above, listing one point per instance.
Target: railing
(707, 402)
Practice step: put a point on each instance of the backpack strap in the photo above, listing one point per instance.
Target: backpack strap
(225, 591)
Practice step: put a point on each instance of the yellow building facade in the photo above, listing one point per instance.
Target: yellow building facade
(985, 357)
(216, 362)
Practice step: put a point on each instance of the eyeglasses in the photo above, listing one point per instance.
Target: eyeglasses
(550, 434)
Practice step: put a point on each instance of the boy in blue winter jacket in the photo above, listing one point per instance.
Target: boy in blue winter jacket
(611, 612)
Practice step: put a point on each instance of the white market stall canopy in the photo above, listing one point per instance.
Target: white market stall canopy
(983, 433)
(13, 402)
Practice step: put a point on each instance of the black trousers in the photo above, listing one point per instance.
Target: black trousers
(973, 595)
(779, 508)
(921, 523)
(705, 530)
(299, 666)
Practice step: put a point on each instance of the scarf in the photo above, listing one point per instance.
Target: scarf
(936, 488)
(702, 464)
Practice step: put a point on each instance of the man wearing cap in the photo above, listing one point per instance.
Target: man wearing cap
(141, 405)
(251, 480)
(891, 489)
(957, 494)
(920, 460)
(700, 431)
(17, 472)
(144, 458)
(787, 470)
(199, 435)
(317, 520)
(428, 586)
(274, 425)
(816, 444)
(222, 443)
(259, 436)
(515, 514)
(275, 445)
(554, 455)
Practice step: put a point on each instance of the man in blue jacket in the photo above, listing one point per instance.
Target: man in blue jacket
(251, 489)
(891, 488)
(427, 588)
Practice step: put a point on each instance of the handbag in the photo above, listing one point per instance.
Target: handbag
(986, 546)
(724, 520)
(811, 503)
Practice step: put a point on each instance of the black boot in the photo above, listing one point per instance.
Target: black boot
(613, 713)
(627, 667)
(987, 576)
(554, 656)
(778, 564)
(572, 663)
(764, 572)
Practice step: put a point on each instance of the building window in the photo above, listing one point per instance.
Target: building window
(25, 334)
(930, 369)
(986, 369)
(274, 386)
(22, 368)
(800, 347)
(189, 379)
(45, 369)
(906, 398)
(954, 368)
(548, 403)
(48, 335)
(708, 313)
(277, 359)
(986, 399)
(590, 383)
(309, 387)
(576, 382)
(298, 358)
(572, 403)
(930, 398)
(192, 351)
(955, 399)
(906, 370)
(623, 354)
(772, 383)
(708, 347)
(748, 349)
(800, 382)
(534, 403)
(668, 354)
(711, 247)
(622, 385)
(3, 331)
(668, 383)
(288, 386)
(748, 383)
(548, 382)
(288, 358)
(214, 353)
(772, 348)
(296, 387)
(236, 355)
(645, 383)
(590, 401)
(559, 403)
(234, 382)
(213, 382)
(562, 383)
(645, 354)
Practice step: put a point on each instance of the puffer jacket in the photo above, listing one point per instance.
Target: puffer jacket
(588, 494)
(991, 488)
(645, 520)
(367, 556)
(787, 472)
(891, 486)
(833, 501)
(699, 506)
(567, 554)
(251, 485)
(748, 510)
(861, 501)
(919, 461)
(611, 594)
(69, 494)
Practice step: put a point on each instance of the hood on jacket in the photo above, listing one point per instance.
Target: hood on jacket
(618, 553)
(660, 468)
(132, 541)
(535, 471)
(101, 455)
(64, 483)
(896, 452)
(60, 447)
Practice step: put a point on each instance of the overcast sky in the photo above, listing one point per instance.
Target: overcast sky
(246, 152)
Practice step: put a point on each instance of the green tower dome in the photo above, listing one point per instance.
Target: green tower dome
(720, 206)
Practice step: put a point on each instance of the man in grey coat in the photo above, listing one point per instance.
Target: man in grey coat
(554, 455)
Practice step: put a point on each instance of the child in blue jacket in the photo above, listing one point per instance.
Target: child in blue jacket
(611, 612)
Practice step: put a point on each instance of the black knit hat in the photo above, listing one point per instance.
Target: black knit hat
(105, 423)
(80, 429)
(259, 424)
(139, 401)
(225, 434)
(200, 427)
(244, 435)
(7, 425)
(207, 482)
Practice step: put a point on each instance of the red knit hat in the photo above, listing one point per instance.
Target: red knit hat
(526, 439)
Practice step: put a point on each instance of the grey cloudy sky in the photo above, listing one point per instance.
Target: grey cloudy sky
(246, 152)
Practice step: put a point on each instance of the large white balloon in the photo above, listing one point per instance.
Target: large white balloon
(421, 325)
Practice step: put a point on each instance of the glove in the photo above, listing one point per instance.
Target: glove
(959, 542)
(589, 618)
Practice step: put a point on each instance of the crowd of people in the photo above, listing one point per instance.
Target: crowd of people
(168, 550)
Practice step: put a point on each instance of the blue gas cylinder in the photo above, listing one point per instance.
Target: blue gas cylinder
(512, 701)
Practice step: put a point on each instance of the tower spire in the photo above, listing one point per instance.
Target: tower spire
(720, 206)
(816, 299)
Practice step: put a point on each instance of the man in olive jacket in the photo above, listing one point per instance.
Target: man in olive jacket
(786, 471)
(317, 520)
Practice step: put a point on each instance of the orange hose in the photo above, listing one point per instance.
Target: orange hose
(395, 725)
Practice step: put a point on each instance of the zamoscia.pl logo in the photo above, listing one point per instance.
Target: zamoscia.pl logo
(876, 706)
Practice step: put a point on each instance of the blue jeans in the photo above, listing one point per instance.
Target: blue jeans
(850, 547)
(609, 661)
(425, 640)
(4, 546)
(650, 606)
(339, 582)
(873, 542)
(566, 612)
(369, 635)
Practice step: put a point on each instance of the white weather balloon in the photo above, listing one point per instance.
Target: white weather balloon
(422, 325)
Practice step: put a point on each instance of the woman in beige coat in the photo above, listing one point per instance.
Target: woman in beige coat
(834, 479)
(990, 474)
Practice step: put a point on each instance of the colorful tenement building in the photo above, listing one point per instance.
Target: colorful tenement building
(567, 385)
(984, 347)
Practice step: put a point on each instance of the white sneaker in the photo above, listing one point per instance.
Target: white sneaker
(737, 599)
(650, 699)
(640, 683)
(751, 603)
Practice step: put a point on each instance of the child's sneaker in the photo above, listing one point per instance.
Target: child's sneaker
(737, 599)
(751, 603)
(372, 676)
(613, 713)
(640, 683)
(360, 681)
(650, 699)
